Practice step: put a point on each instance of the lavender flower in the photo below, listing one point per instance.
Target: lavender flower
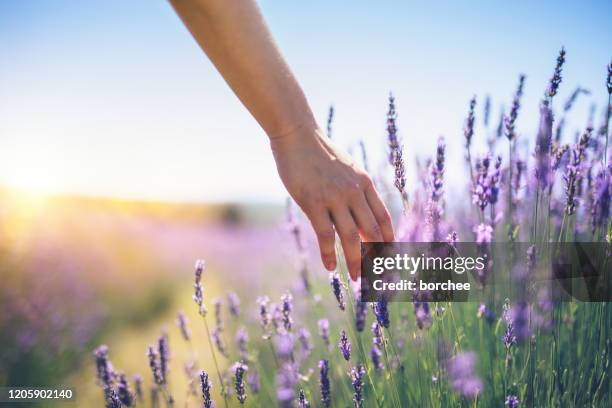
(206, 386)
(377, 338)
(557, 155)
(233, 302)
(124, 393)
(572, 99)
(334, 280)
(361, 309)
(283, 346)
(357, 374)
(381, 312)
(609, 79)
(164, 356)
(324, 383)
(510, 120)
(422, 314)
(112, 399)
(138, 386)
(600, 211)
(242, 338)
(462, 376)
(345, 346)
(487, 111)
(555, 80)
(216, 337)
(254, 382)
(218, 319)
(104, 367)
(302, 401)
(484, 233)
(494, 182)
(198, 295)
(543, 146)
(393, 140)
(286, 380)
(436, 190)
(512, 401)
(499, 131)
(330, 119)
(155, 366)
(304, 339)
(570, 177)
(324, 330)
(264, 315)
(481, 192)
(287, 302)
(468, 130)
(375, 355)
(239, 370)
(400, 172)
(181, 320)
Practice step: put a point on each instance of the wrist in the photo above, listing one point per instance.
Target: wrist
(304, 126)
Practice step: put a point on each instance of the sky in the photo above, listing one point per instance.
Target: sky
(115, 98)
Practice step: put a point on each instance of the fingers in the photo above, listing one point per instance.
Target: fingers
(380, 212)
(351, 241)
(322, 224)
(366, 222)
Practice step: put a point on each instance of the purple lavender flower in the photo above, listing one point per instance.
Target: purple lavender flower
(422, 314)
(198, 295)
(124, 393)
(345, 346)
(155, 367)
(600, 211)
(481, 193)
(468, 130)
(324, 383)
(181, 320)
(334, 280)
(494, 182)
(112, 399)
(487, 111)
(233, 302)
(104, 367)
(304, 339)
(512, 401)
(485, 312)
(377, 338)
(375, 355)
(452, 239)
(557, 155)
(302, 401)
(462, 375)
(543, 146)
(570, 177)
(499, 131)
(400, 172)
(254, 382)
(555, 80)
(357, 374)
(239, 370)
(381, 312)
(510, 120)
(283, 345)
(509, 338)
(330, 119)
(609, 79)
(216, 337)
(484, 233)
(435, 209)
(218, 319)
(206, 386)
(137, 378)
(361, 309)
(264, 315)
(242, 339)
(286, 380)
(573, 97)
(287, 302)
(324, 330)
(164, 356)
(393, 140)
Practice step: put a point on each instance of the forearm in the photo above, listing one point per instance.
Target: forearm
(234, 36)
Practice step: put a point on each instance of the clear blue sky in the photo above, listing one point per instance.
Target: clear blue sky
(115, 98)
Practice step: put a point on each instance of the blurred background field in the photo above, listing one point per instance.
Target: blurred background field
(80, 271)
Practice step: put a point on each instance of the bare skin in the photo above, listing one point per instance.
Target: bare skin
(334, 193)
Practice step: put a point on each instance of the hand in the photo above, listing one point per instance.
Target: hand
(334, 193)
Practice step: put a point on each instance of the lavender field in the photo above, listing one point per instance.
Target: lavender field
(297, 337)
